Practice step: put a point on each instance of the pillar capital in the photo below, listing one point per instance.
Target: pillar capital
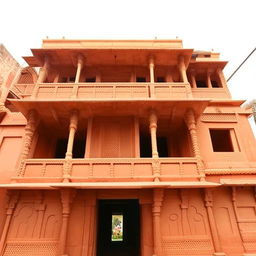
(190, 119)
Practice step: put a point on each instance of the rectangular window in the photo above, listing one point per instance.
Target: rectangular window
(221, 140)
(117, 228)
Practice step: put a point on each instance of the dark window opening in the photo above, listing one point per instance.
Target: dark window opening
(160, 79)
(201, 84)
(145, 146)
(140, 79)
(90, 80)
(79, 148)
(215, 84)
(61, 148)
(221, 140)
(72, 79)
(162, 146)
(64, 79)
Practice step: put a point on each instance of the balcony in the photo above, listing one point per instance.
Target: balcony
(110, 169)
(211, 93)
(103, 91)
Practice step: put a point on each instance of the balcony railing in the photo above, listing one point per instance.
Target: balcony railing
(215, 93)
(104, 90)
(116, 91)
(109, 169)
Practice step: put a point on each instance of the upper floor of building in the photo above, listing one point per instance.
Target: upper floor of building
(123, 70)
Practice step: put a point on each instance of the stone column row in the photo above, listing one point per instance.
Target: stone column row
(190, 121)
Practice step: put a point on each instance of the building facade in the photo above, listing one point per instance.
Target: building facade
(130, 147)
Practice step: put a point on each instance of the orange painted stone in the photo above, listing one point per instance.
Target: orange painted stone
(128, 148)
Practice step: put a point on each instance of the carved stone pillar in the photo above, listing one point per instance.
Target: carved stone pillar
(237, 217)
(27, 140)
(90, 223)
(221, 78)
(208, 79)
(223, 81)
(79, 68)
(146, 234)
(67, 196)
(184, 212)
(72, 131)
(212, 223)
(133, 76)
(42, 75)
(191, 124)
(182, 69)
(193, 79)
(14, 195)
(152, 76)
(153, 128)
(40, 208)
(156, 210)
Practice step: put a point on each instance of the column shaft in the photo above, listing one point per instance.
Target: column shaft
(152, 76)
(213, 228)
(156, 210)
(153, 129)
(27, 139)
(72, 131)
(9, 213)
(191, 124)
(182, 69)
(79, 68)
(66, 200)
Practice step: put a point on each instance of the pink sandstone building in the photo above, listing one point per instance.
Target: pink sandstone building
(125, 148)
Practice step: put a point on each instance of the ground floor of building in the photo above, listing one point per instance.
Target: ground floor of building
(130, 222)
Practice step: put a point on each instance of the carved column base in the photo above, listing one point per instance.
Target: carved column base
(219, 254)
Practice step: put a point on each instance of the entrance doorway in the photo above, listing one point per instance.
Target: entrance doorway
(118, 228)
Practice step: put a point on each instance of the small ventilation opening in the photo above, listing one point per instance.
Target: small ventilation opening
(140, 79)
(145, 146)
(201, 84)
(162, 146)
(221, 140)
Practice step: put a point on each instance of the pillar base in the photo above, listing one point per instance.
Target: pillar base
(219, 254)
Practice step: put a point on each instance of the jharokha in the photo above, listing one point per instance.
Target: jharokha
(124, 148)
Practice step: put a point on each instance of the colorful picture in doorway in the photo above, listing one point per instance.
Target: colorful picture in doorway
(117, 228)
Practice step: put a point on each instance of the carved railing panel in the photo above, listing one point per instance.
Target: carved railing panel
(110, 169)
